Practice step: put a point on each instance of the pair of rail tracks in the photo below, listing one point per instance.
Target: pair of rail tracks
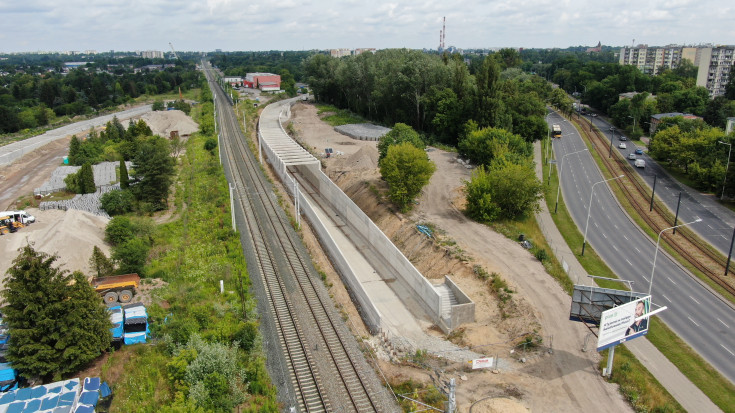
(690, 246)
(282, 266)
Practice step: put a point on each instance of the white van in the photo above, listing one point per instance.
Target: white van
(640, 163)
(19, 216)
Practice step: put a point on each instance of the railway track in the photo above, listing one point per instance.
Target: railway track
(694, 250)
(327, 382)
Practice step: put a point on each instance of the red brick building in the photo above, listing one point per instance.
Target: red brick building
(262, 81)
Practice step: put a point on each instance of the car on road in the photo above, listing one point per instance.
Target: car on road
(639, 151)
(622, 145)
(640, 163)
(622, 138)
(632, 156)
(594, 115)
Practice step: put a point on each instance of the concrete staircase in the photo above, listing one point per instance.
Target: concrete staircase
(447, 299)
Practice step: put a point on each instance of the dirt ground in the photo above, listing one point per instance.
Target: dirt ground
(556, 376)
(71, 234)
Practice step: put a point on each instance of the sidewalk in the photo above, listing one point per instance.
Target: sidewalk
(686, 393)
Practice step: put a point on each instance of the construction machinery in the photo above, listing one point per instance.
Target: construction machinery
(116, 288)
(7, 225)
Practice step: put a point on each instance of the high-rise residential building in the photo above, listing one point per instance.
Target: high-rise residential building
(714, 63)
(152, 54)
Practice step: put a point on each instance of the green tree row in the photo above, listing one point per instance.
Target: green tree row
(29, 99)
(436, 95)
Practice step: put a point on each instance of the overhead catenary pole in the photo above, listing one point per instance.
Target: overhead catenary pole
(676, 217)
(729, 254)
(726, 167)
(653, 193)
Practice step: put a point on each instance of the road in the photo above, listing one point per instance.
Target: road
(718, 221)
(629, 253)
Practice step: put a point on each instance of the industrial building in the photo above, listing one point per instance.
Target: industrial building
(714, 63)
(266, 82)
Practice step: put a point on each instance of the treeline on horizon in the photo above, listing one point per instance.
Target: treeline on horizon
(37, 92)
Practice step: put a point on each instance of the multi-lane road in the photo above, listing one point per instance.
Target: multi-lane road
(717, 228)
(698, 316)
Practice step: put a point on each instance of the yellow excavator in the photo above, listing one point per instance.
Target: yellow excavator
(7, 225)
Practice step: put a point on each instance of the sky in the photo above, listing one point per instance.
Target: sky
(230, 25)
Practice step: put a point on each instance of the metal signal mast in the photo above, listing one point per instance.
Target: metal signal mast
(172, 49)
(443, 33)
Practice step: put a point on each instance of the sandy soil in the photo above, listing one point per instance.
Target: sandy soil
(72, 234)
(556, 377)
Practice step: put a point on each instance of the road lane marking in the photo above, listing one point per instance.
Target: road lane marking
(639, 251)
(626, 238)
(667, 298)
(626, 260)
(615, 248)
(672, 281)
(693, 299)
(723, 323)
(710, 226)
(695, 323)
(727, 349)
(644, 277)
(603, 234)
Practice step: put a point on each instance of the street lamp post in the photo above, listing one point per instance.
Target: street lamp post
(560, 170)
(589, 209)
(650, 282)
(727, 166)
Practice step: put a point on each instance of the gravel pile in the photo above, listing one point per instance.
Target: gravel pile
(363, 131)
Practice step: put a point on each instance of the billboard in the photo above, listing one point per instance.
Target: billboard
(589, 302)
(624, 323)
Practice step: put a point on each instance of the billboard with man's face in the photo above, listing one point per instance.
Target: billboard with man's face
(623, 323)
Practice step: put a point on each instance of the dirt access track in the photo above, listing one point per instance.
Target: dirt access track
(557, 376)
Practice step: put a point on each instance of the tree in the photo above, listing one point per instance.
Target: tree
(117, 202)
(399, 134)
(483, 146)
(407, 170)
(56, 322)
(131, 255)
(99, 262)
(86, 180)
(124, 180)
(154, 169)
(74, 150)
(504, 190)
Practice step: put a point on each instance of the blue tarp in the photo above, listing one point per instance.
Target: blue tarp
(72, 384)
(7, 398)
(50, 403)
(84, 409)
(16, 407)
(105, 390)
(6, 372)
(66, 398)
(23, 394)
(32, 406)
(92, 383)
(63, 409)
(39, 391)
(89, 397)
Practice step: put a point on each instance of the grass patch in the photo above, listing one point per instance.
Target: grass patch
(336, 116)
(424, 393)
(199, 336)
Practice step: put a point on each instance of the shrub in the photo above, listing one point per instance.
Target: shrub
(210, 144)
(131, 255)
(117, 202)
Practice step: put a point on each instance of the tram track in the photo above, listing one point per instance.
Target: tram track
(302, 314)
(691, 247)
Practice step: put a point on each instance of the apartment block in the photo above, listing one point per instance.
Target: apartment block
(713, 63)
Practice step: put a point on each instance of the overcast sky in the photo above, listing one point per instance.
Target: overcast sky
(205, 25)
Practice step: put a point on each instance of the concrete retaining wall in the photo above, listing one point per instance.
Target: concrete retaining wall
(400, 267)
(464, 310)
(370, 314)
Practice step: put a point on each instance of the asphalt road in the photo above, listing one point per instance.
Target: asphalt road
(699, 317)
(718, 222)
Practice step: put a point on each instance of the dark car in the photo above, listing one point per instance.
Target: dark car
(622, 138)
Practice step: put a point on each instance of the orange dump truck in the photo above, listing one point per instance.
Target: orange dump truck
(116, 288)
